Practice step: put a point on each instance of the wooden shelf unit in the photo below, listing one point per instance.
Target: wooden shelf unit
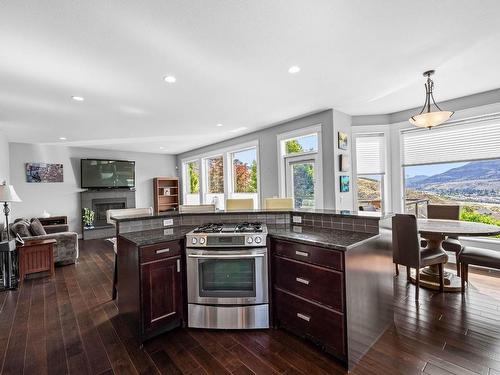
(166, 194)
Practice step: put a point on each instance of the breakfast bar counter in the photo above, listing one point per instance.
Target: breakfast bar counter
(329, 238)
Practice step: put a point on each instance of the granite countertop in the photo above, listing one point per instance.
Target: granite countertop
(329, 238)
(154, 236)
(341, 213)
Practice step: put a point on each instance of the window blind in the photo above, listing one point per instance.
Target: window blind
(452, 143)
(370, 154)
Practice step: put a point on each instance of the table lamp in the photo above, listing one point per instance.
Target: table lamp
(7, 195)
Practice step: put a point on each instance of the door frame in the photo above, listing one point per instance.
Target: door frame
(300, 159)
(317, 155)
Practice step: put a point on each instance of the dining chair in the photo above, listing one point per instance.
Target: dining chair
(278, 203)
(196, 208)
(477, 257)
(239, 204)
(116, 214)
(446, 212)
(406, 250)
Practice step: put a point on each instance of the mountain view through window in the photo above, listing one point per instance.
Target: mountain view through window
(475, 186)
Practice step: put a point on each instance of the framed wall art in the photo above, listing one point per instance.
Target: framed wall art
(344, 184)
(44, 172)
(344, 163)
(343, 141)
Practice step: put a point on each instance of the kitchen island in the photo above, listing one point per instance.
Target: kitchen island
(329, 285)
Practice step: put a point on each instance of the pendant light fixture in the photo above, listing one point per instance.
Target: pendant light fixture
(428, 118)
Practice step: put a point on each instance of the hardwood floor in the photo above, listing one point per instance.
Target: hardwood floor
(68, 324)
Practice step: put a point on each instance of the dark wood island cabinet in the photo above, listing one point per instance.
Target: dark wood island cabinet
(331, 287)
(150, 286)
(339, 299)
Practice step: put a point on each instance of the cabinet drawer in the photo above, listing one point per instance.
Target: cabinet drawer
(309, 254)
(160, 251)
(320, 284)
(307, 319)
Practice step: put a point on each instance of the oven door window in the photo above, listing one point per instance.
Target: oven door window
(227, 277)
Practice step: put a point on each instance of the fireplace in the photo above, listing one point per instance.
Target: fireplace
(101, 205)
(100, 201)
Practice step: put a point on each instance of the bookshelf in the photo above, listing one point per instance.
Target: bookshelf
(166, 194)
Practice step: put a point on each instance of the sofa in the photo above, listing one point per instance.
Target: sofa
(66, 249)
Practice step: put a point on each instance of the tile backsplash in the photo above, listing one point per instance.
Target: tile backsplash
(315, 220)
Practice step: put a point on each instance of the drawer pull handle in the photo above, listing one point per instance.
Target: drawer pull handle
(301, 253)
(303, 317)
(302, 281)
(178, 265)
(161, 251)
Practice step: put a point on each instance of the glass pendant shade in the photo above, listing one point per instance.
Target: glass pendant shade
(430, 119)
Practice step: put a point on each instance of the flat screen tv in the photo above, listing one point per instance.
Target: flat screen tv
(107, 174)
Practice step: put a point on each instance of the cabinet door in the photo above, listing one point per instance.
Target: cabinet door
(161, 293)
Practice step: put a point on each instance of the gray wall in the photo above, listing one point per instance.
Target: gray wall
(64, 198)
(268, 153)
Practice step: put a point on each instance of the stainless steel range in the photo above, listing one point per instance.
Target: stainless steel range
(227, 276)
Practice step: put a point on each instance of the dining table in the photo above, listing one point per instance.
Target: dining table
(435, 231)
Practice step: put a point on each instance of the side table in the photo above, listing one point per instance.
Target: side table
(36, 256)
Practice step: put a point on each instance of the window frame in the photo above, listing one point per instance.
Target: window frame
(226, 154)
(204, 175)
(316, 155)
(231, 190)
(371, 130)
(185, 178)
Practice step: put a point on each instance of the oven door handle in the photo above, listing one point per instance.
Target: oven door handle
(222, 256)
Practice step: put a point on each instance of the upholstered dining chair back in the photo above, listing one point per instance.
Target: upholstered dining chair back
(196, 208)
(443, 212)
(278, 203)
(239, 204)
(127, 212)
(405, 241)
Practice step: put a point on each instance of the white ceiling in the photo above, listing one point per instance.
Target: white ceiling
(231, 61)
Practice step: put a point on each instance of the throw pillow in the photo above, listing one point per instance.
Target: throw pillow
(22, 228)
(36, 228)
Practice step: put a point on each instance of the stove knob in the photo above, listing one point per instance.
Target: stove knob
(202, 241)
(258, 240)
(249, 239)
(194, 241)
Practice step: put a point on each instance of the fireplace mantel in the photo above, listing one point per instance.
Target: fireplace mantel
(101, 200)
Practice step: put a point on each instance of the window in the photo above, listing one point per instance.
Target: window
(299, 145)
(229, 173)
(370, 171)
(475, 186)
(214, 188)
(300, 167)
(244, 174)
(192, 178)
(457, 164)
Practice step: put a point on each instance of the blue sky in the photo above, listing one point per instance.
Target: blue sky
(431, 169)
(308, 142)
(247, 156)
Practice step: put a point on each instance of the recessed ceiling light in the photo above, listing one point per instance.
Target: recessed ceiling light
(219, 125)
(78, 98)
(239, 129)
(294, 69)
(161, 147)
(62, 138)
(170, 79)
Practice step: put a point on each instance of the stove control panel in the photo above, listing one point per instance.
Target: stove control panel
(219, 240)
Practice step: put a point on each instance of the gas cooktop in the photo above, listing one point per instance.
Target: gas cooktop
(228, 235)
(244, 227)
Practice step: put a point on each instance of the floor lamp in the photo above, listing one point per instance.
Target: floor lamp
(7, 195)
